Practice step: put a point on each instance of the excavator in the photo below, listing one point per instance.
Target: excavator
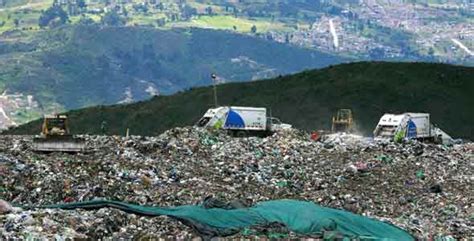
(343, 121)
(56, 137)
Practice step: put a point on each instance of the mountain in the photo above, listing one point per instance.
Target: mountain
(76, 66)
(307, 100)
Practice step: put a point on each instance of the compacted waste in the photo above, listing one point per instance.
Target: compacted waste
(423, 189)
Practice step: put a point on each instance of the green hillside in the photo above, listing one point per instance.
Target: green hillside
(307, 100)
(77, 66)
(57, 55)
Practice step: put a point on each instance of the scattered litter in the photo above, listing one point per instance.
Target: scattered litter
(183, 166)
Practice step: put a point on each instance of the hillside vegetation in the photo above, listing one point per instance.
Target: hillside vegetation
(373, 30)
(77, 66)
(57, 55)
(307, 100)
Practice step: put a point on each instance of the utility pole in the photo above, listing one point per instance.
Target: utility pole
(214, 83)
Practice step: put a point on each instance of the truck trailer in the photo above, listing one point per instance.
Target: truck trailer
(241, 121)
(409, 126)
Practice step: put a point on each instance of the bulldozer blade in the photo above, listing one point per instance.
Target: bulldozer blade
(58, 144)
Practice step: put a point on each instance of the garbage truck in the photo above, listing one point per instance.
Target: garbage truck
(242, 121)
(409, 126)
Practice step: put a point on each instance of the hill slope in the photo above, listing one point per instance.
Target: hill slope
(61, 55)
(78, 66)
(413, 30)
(307, 100)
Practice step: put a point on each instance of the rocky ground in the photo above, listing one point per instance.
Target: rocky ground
(424, 189)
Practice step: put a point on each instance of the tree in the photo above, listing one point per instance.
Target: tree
(161, 22)
(140, 8)
(104, 127)
(112, 18)
(188, 12)
(253, 29)
(81, 4)
(209, 11)
(160, 6)
(53, 16)
(236, 12)
(174, 17)
(16, 22)
(86, 21)
(124, 11)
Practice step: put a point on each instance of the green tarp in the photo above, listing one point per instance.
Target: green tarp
(305, 218)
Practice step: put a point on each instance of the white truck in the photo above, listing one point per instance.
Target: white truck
(241, 121)
(409, 126)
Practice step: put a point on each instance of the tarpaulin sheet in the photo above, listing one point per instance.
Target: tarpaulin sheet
(305, 218)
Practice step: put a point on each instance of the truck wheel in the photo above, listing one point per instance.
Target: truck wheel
(241, 134)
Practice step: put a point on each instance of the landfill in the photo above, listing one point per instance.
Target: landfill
(425, 189)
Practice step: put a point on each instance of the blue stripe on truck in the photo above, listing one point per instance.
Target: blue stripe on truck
(411, 129)
(234, 120)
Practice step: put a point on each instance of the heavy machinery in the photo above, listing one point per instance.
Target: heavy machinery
(343, 121)
(55, 136)
(241, 121)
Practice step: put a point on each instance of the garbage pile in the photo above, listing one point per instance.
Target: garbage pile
(425, 189)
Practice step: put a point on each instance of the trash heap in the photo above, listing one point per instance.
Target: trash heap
(425, 189)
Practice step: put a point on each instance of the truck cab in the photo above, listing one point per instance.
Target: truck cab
(213, 117)
(276, 124)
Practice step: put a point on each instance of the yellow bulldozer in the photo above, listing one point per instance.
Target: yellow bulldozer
(343, 121)
(56, 137)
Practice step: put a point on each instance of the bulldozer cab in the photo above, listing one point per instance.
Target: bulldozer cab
(55, 136)
(342, 121)
(55, 125)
